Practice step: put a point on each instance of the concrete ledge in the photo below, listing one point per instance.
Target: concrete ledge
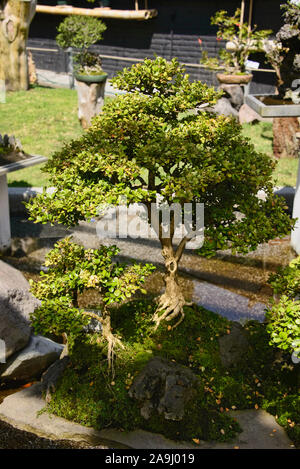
(18, 195)
(23, 411)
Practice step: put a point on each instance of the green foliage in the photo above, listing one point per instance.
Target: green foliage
(145, 143)
(87, 394)
(284, 316)
(73, 270)
(81, 32)
(243, 39)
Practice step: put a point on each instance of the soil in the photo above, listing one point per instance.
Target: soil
(13, 157)
(274, 100)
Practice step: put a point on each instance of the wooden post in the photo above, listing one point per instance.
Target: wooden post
(136, 4)
(242, 16)
(15, 19)
(90, 101)
(250, 17)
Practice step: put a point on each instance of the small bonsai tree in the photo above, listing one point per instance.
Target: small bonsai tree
(243, 41)
(283, 53)
(145, 144)
(283, 316)
(81, 32)
(71, 271)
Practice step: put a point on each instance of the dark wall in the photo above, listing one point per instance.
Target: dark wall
(174, 33)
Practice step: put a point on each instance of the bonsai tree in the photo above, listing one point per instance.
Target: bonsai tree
(81, 32)
(283, 53)
(283, 316)
(146, 144)
(242, 41)
(72, 270)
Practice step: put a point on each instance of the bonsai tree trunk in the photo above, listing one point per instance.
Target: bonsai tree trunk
(15, 19)
(171, 303)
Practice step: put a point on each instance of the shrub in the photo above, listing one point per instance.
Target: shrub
(73, 270)
(284, 316)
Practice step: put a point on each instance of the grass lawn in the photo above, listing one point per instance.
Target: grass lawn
(44, 118)
(261, 135)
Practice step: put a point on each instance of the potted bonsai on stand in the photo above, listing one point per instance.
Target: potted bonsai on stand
(283, 54)
(80, 33)
(241, 41)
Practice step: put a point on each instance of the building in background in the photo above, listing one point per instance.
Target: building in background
(175, 32)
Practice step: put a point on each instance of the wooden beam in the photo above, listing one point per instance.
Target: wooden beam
(97, 12)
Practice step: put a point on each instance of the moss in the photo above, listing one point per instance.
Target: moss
(88, 395)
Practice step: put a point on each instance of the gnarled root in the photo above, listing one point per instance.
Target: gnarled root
(170, 304)
(168, 309)
(112, 340)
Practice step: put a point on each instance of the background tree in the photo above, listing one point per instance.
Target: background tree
(145, 143)
(15, 19)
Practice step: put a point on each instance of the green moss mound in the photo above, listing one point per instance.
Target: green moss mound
(87, 394)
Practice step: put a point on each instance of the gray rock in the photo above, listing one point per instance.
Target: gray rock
(224, 107)
(23, 246)
(11, 278)
(288, 193)
(165, 387)
(248, 115)
(51, 376)
(30, 363)
(233, 346)
(16, 305)
(234, 93)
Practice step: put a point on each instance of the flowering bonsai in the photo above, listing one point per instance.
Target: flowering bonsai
(242, 41)
(144, 145)
(81, 32)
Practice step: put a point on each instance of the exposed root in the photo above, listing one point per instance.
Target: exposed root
(169, 308)
(112, 341)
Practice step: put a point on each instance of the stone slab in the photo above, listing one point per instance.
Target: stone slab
(22, 410)
(226, 303)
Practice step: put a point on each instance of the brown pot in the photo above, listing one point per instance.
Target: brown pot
(234, 79)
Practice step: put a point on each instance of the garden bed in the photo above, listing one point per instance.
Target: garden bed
(87, 396)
